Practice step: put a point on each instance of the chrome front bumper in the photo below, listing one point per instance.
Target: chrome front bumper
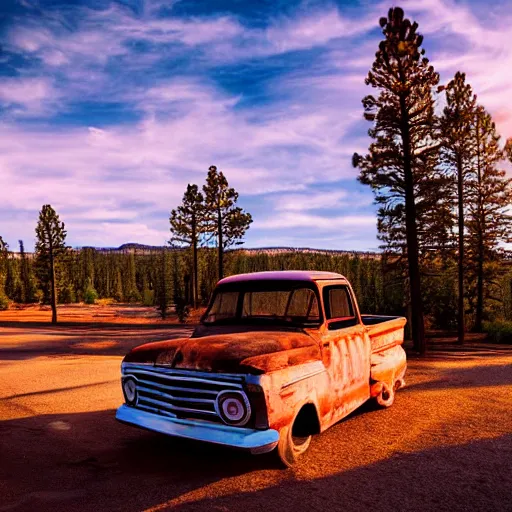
(257, 441)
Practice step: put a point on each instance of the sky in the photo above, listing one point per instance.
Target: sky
(109, 109)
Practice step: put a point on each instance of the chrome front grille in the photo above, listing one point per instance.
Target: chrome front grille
(179, 393)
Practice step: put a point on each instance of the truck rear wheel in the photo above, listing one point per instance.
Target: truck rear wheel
(386, 397)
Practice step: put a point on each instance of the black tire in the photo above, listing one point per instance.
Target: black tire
(291, 447)
(386, 397)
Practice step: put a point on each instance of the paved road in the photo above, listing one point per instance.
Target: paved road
(446, 444)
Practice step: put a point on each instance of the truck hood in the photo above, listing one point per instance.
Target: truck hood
(247, 351)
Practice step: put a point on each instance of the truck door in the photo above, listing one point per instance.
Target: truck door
(348, 348)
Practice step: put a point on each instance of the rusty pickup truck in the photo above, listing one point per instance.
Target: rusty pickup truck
(277, 357)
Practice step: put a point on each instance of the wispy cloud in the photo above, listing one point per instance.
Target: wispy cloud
(315, 29)
(23, 96)
(294, 220)
(310, 201)
(476, 44)
(108, 113)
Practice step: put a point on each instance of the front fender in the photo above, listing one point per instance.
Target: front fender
(287, 390)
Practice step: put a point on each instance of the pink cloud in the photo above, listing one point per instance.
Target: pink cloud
(302, 220)
(309, 200)
(92, 175)
(315, 29)
(486, 56)
(31, 95)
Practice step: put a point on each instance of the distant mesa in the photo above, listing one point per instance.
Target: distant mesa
(133, 247)
(141, 248)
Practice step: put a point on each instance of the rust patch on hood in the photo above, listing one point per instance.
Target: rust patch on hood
(250, 351)
(266, 363)
(159, 352)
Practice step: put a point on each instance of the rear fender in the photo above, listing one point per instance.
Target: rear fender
(387, 366)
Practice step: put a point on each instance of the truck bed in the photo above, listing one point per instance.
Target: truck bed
(388, 361)
(384, 331)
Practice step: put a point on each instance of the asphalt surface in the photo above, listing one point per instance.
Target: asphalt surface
(446, 443)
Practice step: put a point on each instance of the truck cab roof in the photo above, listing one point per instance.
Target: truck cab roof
(283, 275)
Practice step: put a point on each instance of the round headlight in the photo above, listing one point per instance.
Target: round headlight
(130, 390)
(233, 407)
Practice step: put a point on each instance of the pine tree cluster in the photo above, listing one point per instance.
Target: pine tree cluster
(443, 196)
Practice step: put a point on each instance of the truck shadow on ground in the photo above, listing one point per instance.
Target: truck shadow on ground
(452, 478)
(90, 462)
(48, 461)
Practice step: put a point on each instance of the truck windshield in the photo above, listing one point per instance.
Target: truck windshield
(294, 306)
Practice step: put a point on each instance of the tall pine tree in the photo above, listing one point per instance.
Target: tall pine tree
(489, 221)
(458, 151)
(187, 225)
(225, 221)
(50, 245)
(403, 157)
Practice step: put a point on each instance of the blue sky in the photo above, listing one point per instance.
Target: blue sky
(109, 109)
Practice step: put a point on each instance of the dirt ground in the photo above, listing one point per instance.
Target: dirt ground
(446, 444)
(101, 313)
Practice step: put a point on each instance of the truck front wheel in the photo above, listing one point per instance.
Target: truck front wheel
(291, 445)
(295, 438)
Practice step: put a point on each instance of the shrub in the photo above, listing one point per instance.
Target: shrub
(90, 295)
(499, 331)
(4, 301)
(105, 302)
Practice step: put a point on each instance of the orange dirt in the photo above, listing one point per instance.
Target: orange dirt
(446, 444)
(97, 313)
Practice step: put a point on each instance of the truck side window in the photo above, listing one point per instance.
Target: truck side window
(338, 307)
